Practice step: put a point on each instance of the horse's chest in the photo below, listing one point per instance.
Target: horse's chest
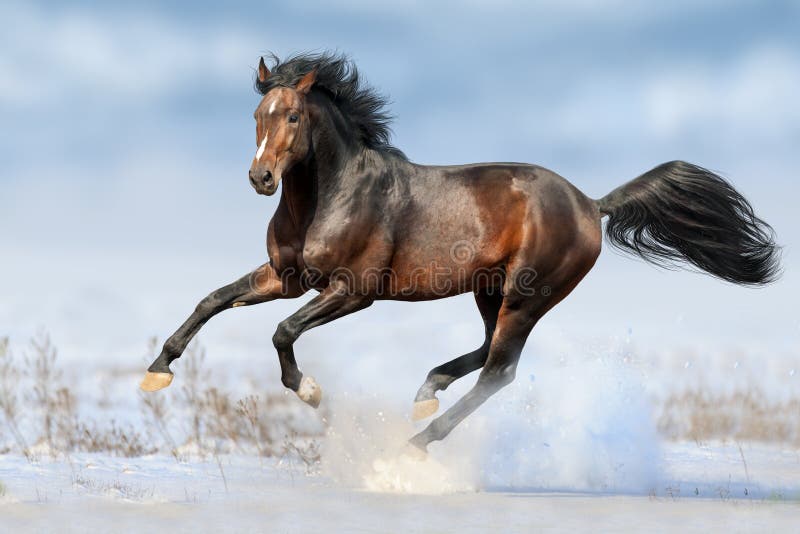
(318, 255)
(345, 242)
(324, 245)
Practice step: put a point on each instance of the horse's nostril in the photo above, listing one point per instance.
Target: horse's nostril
(267, 178)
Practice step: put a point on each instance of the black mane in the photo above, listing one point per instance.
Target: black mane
(338, 76)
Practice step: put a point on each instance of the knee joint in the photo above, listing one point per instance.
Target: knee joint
(496, 379)
(283, 337)
(506, 375)
(172, 347)
(206, 306)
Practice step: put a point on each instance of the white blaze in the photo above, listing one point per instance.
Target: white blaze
(261, 148)
(272, 106)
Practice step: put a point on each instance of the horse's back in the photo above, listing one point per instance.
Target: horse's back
(497, 214)
(550, 200)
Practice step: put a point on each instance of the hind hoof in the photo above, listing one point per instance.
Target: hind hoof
(417, 447)
(310, 392)
(415, 452)
(155, 381)
(425, 408)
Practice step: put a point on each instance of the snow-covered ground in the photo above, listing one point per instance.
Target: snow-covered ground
(574, 443)
(697, 489)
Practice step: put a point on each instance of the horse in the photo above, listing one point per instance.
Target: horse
(358, 222)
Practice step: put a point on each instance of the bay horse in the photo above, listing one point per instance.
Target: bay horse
(358, 222)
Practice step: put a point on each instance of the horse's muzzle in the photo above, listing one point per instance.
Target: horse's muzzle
(264, 184)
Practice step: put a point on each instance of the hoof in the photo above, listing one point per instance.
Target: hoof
(425, 408)
(418, 446)
(416, 452)
(310, 392)
(155, 381)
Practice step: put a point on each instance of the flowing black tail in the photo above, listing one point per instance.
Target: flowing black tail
(679, 211)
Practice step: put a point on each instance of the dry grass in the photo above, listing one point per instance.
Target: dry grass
(216, 423)
(114, 488)
(155, 413)
(91, 437)
(38, 408)
(49, 400)
(39, 414)
(740, 416)
(10, 375)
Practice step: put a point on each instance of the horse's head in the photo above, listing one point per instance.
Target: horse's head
(283, 131)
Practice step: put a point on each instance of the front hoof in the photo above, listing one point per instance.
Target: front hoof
(310, 392)
(424, 408)
(418, 447)
(155, 381)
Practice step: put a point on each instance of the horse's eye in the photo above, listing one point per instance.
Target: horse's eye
(293, 118)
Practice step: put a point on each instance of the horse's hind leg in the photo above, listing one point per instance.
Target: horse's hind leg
(518, 314)
(515, 320)
(522, 307)
(439, 378)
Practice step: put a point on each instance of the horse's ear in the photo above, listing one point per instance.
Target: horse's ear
(306, 82)
(263, 71)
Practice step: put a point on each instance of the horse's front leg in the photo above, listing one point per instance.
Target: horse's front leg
(333, 302)
(262, 285)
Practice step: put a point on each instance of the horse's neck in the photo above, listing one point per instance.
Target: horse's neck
(334, 143)
(314, 182)
(299, 194)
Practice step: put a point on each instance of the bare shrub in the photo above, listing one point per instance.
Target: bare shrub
(113, 440)
(114, 488)
(222, 419)
(65, 420)
(10, 375)
(739, 416)
(192, 394)
(61, 429)
(218, 424)
(247, 408)
(154, 408)
(268, 424)
(307, 450)
(46, 383)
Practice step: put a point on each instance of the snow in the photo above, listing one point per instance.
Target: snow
(570, 445)
(700, 488)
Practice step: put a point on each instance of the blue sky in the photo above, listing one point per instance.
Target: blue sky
(127, 135)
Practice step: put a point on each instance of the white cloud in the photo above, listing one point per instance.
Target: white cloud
(62, 55)
(750, 98)
(759, 92)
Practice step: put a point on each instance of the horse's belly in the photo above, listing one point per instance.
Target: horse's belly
(441, 280)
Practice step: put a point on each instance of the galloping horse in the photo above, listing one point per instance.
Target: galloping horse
(358, 222)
